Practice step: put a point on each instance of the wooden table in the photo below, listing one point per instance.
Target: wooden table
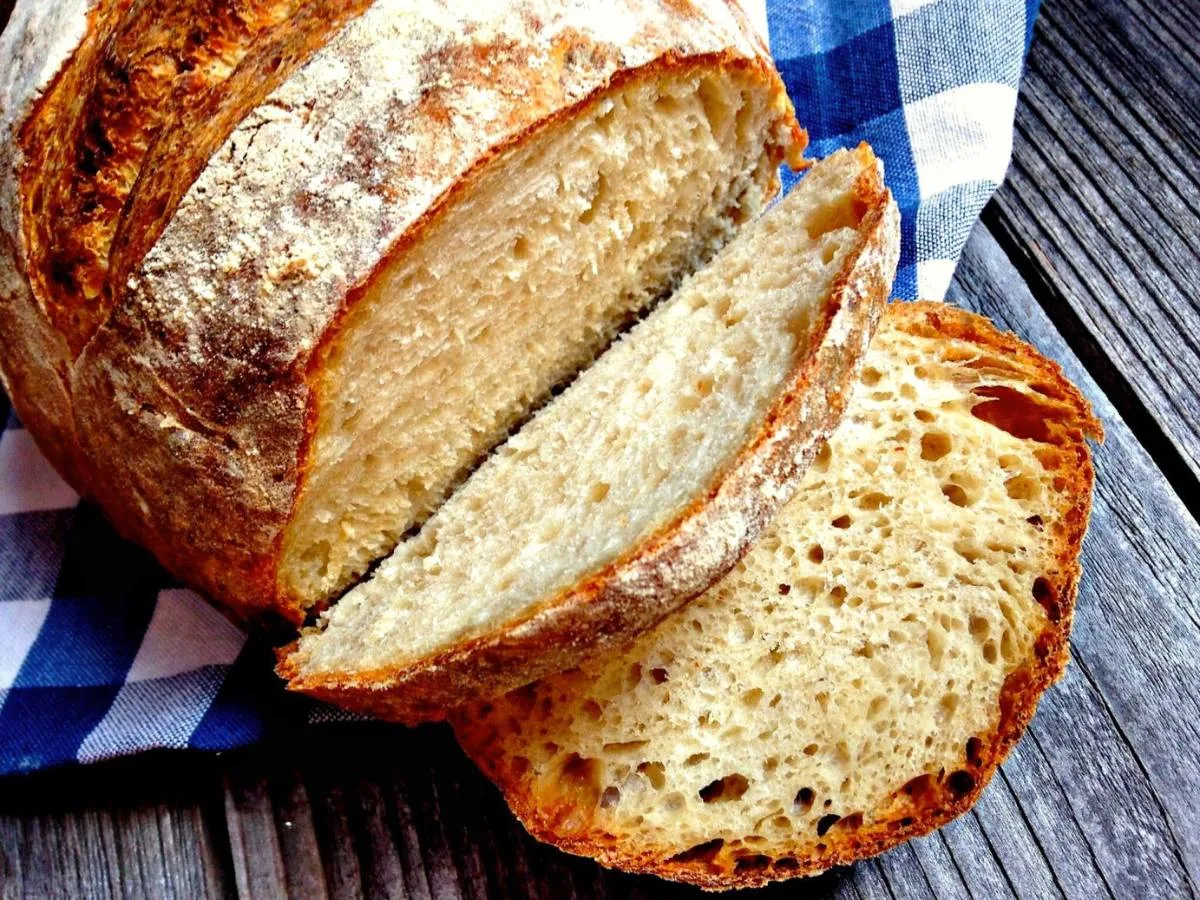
(1091, 251)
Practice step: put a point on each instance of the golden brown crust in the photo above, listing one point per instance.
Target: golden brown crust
(1068, 422)
(686, 556)
(187, 417)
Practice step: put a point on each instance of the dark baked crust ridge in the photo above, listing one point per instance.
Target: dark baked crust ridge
(687, 555)
(904, 817)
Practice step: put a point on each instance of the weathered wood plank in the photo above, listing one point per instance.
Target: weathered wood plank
(1101, 205)
(137, 828)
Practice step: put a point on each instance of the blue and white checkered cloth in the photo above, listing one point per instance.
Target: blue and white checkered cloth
(102, 655)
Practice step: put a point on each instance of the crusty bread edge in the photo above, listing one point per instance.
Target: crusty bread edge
(685, 556)
(1019, 695)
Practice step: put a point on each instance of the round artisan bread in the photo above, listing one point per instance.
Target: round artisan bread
(275, 275)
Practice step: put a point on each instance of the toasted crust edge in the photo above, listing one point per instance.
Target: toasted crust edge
(1019, 695)
(639, 589)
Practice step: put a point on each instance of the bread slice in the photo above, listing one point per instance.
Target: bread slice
(243, 245)
(860, 675)
(642, 483)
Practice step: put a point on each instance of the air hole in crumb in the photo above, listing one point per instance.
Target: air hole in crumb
(654, 772)
(1022, 416)
(804, 799)
(920, 787)
(826, 822)
(695, 759)
(871, 376)
(975, 752)
(1036, 522)
(816, 553)
(705, 852)
(659, 675)
(873, 500)
(752, 697)
(1022, 487)
(598, 192)
(755, 862)
(934, 445)
(521, 248)
(989, 652)
(610, 798)
(961, 782)
(592, 709)
(949, 704)
(599, 492)
(723, 790)
(841, 522)
(821, 461)
(1044, 594)
(924, 415)
(785, 589)
(956, 495)
(578, 781)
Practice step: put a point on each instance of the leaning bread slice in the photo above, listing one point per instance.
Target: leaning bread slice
(640, 485)
(859, 676)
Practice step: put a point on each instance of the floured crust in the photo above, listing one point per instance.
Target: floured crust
(685, 556)
(188, 411)
(1069, 423)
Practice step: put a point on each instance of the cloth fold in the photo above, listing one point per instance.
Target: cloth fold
(102, 654)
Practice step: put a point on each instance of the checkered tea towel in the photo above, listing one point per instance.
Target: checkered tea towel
(101, 654)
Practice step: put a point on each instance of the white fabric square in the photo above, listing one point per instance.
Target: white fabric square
(20, 623)
(933, 277)
(171, 645)
(159, 713)
(28, 482)
(960, 135)
(904, 7)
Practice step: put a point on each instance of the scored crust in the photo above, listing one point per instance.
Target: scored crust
(186, 403)
(1068, 422)
(688, 554)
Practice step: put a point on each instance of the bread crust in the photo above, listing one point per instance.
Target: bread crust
(907, 817)
(188, 411)
(685, 556)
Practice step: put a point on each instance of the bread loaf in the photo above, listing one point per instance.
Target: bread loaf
(642, 483)
(861, 674)
(276, 274)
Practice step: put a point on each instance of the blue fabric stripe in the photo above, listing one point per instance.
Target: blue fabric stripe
(42, 727)
(808, 27)
(32, 545)
(102, 606)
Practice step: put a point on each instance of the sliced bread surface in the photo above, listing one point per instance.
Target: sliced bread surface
(641, 484)
(859, 676)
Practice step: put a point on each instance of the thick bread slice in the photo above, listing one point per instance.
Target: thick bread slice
(240, 242)
(860, 675)
(642, 483)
